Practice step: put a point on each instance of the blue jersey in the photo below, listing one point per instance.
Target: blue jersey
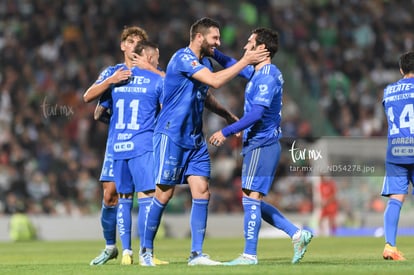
(265, 88)
(398, 104)
(134, 111)
(107, 167)
(181, 117)
(106, 101)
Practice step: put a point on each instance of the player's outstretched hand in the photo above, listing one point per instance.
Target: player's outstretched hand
(256, 56)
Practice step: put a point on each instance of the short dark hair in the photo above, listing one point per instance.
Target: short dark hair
(406, 62)
(144, 44)
(202, 26)
(269, 38)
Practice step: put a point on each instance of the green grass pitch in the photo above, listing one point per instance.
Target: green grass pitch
(345, 255)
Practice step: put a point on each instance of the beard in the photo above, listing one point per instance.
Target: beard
(206, 49)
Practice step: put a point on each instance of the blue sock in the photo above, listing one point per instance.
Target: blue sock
(108, 222)
(152, 222)
(198, 223)
(252, 223)
(272, 215)
(124, 222)
(391, 218)
(143, 206)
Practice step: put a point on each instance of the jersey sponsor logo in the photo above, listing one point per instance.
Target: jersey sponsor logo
(121, 222)
(130, 89)
(398, 88)
(262, 99)
(171, 162)
(139, 80)
(398, 97)
(250, 229)
(173, 174)
(123, 146)
(251, 225)
(263, 89)
(403, 151)
(124, 136)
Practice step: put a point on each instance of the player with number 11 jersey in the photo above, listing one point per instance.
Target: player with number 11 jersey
(134, 113)
(135, 106)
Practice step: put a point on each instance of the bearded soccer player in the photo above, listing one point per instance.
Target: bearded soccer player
(180, 149)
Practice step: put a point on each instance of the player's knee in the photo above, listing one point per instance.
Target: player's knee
(163, 198)
(110, 196)
(201, 194)
(110, 199)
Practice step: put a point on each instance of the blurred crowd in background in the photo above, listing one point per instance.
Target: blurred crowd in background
(336, 57)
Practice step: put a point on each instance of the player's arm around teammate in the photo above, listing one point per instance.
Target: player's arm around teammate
(101, 88)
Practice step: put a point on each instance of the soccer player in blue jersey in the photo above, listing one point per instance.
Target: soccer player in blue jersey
(180, 149)
(398, 102)
(130, 37)
(261, 148)
(135, 107)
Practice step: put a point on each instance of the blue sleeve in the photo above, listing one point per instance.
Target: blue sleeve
(245, 122)
(187, 63)
(227, 61)
(160, 90)
(223, 60)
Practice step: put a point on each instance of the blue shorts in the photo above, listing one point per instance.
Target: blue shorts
(259, 168)
(173, 163)
(107, 172)
(397, 178)
(135, 175)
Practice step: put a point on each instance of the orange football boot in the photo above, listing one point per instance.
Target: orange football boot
(392, 253)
